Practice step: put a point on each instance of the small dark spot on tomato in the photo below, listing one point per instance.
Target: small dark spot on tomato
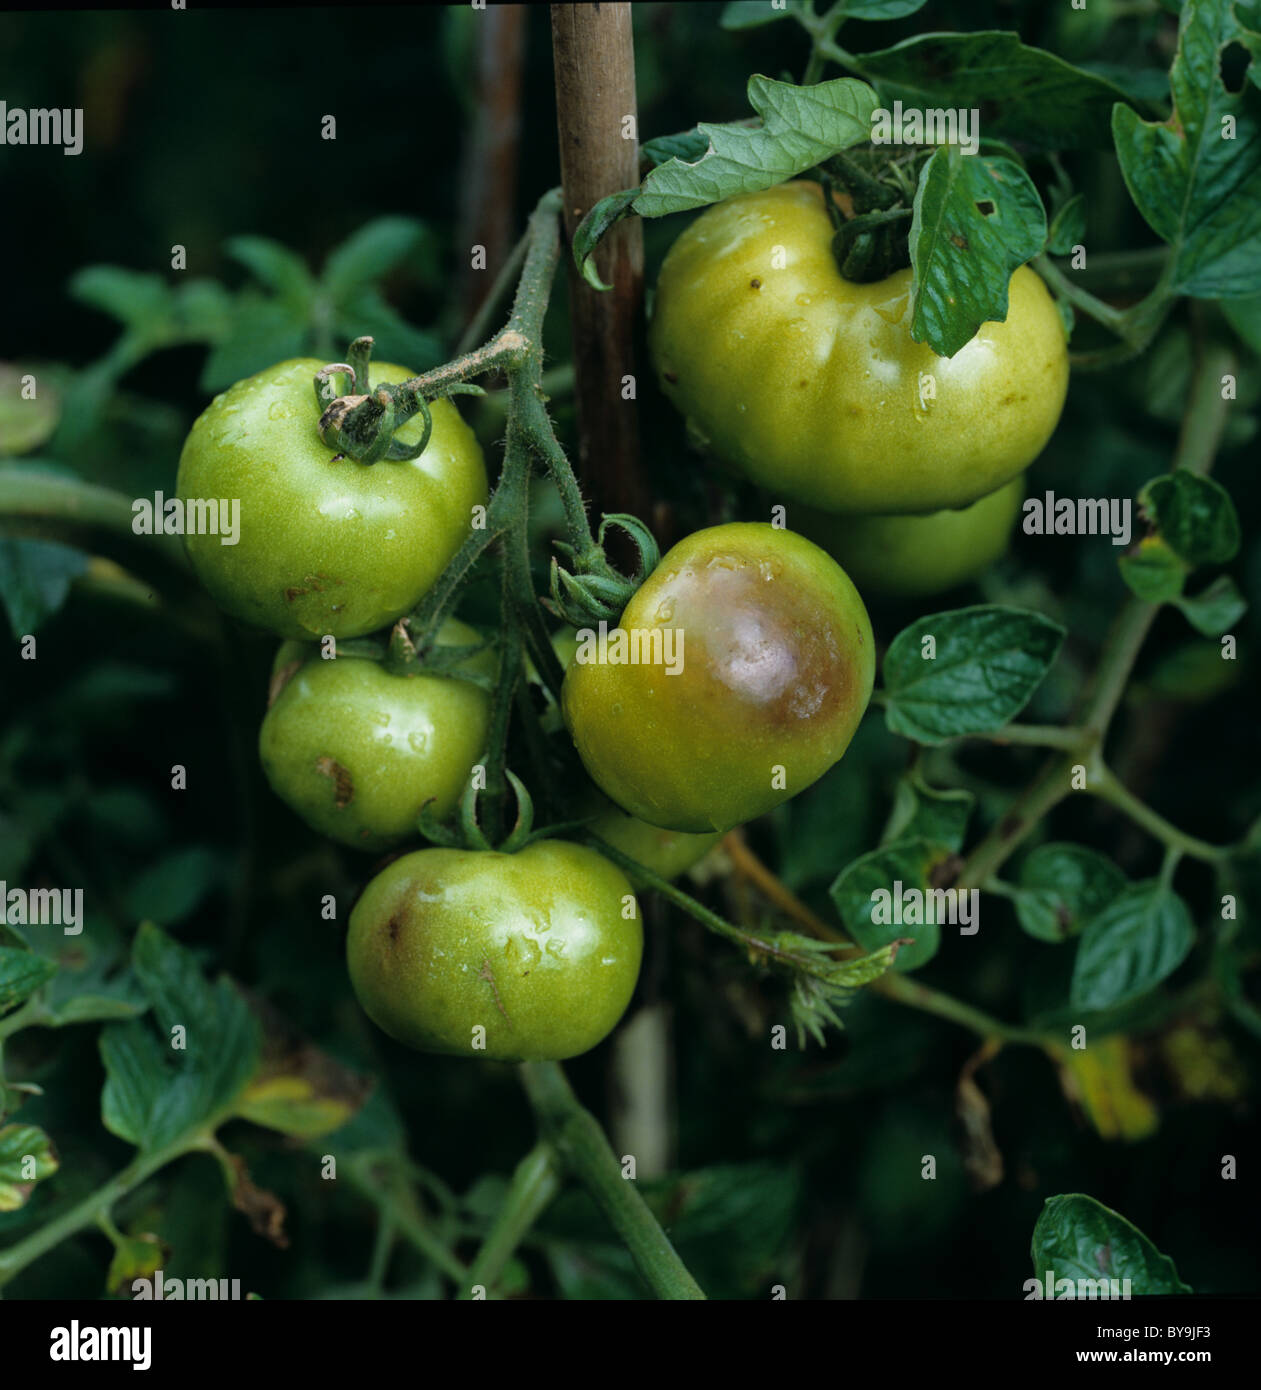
(295, 592)
(394, 927)
(343, 783)
(755, 284)
(671, 378)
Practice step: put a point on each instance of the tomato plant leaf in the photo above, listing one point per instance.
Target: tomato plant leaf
(1194, 514)
(975, 221)
(369, 254)
(26, 1157)
(394, 339)
(880, 9)
(163, 1087)
(1196, 178)
(21, 974)
(1062, 887)
(752, 14)
(1078, 1238)
(874, 889)
(170, 889)
(140, 300)
(923, 812)
(26, 422)
(801, 127)
(35, 579)
(686, 145)
(1216, 609)
(299, 1089)
(1137, 940)
(966, 672)
(1245, 314)
(604, 214)
(1152, 571)
(262, 331)
(1021, 92)
(1068, 226)
(275, 266)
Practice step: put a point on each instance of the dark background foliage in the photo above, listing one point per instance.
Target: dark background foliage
(797, 1168)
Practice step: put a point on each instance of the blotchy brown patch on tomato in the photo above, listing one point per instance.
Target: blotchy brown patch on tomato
(763, 640)
(343, 783)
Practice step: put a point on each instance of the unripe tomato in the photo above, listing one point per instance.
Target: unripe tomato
(541, 949)
(357, 751)
(327, 545)
(914, 556)
(778, 664)
(811, 385)
(668, 853)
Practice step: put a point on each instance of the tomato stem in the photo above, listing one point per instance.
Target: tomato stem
(580, 1143)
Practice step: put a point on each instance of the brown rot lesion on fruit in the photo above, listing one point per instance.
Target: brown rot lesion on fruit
(343, 783)
(394, 927)
(671, 377)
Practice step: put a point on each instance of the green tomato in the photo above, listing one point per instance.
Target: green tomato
(668, 853)
(540, 949)
(357, 751)
(811, 385)
(914, 556)
(327, 545)
(777, 664)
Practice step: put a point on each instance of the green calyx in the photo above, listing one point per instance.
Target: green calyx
(362, 425)
(872, 242)
(592, 591)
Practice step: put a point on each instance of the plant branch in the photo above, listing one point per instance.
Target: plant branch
(580, 1143)
(1105, 785)
(535, 1183)
(90, 1210)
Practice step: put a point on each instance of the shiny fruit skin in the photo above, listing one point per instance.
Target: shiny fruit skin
(915, 556)
(326, 548)
(533, 947)
(778, 665)
(667, 853)
(811, 386)
(357, 751)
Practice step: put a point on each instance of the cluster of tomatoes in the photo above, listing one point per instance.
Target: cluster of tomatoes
(799, 380)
